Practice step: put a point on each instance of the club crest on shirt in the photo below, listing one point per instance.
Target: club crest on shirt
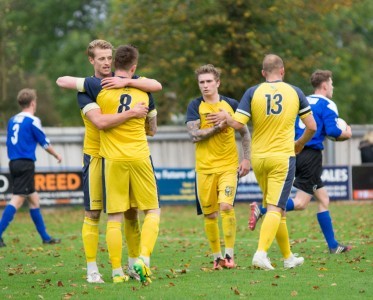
(229, 191)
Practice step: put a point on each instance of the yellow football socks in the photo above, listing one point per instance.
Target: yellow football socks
(149, 233)
(133, 235)
(268, 230)
(114, 243)
(282, 238)
(228, 218)
(213, 234)
(90, 238)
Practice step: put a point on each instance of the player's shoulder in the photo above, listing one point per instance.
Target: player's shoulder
(322, 101)
(196, 102)
(230, 101)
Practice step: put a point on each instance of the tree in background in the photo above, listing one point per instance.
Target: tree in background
(42, 40)
(32, 36)
(175, 37)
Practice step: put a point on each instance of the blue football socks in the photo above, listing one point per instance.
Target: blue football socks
(289, 207)
(37, 218)
(326, 225)
(7, 217)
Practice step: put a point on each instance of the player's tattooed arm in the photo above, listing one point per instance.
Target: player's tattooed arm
(244, 167)
(151, 125)
(197, 134)
(246, 142)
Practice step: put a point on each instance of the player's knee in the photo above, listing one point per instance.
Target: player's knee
(93, 214)
(302, 205)
(225, 206)
(213, 215)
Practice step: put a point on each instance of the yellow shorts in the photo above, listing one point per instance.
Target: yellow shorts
(216, 188)
(129, 184)
(92, 182)
(275, 177)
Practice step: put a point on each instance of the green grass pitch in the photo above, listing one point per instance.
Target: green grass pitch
(181, 262)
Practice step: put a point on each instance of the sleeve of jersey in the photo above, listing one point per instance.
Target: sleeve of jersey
(87, 100)
(85, 103)
(232, 103)
(243, 111)
(152, 111)
(304, 106)
(192, 112)
(39, 134)
(330, 116)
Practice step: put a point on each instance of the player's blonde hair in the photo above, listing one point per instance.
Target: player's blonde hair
(25, 97)
(320, 76)
(100, 44)
(208, 69)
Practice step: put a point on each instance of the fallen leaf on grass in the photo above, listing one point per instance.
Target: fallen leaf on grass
(333, 284)
(294, 293)
(235, 290)
(59, 283)
(67, 296)
(315, 287)
(322, 269)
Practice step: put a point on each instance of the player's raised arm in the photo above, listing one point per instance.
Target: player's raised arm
(142, 83)
(70, 82)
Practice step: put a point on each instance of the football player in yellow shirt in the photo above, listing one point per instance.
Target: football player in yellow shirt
(100, 53)
(129, 179)
(217, 163)
(273, 107)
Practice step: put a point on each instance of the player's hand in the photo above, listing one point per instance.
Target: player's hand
(114, 82)
(244, 168)
(216, 118)
(298, 147)
(140, 110)
(59, 158)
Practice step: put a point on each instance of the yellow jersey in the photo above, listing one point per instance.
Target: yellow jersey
(126, 141)
(218, 153)
(272, 108)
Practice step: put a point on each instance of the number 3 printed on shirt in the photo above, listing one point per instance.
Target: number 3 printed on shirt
(14, 138)
(277, 107)
(125, 101)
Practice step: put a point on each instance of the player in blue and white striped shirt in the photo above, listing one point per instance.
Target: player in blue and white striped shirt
(24, 133)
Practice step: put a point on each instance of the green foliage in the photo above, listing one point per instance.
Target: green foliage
(32, 34)
(175, 37)
(181, 262)
(47, 39)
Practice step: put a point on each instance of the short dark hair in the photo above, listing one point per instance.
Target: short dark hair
(25, 97)
(126, 56)
(320, 76)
